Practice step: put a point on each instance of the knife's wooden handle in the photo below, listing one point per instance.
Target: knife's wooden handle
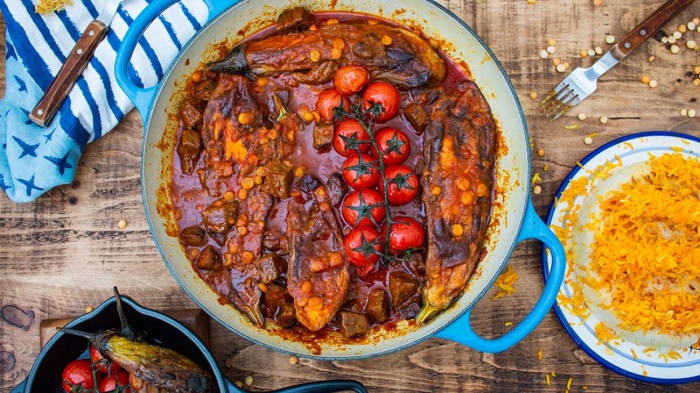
(77, 60)
(649, 27)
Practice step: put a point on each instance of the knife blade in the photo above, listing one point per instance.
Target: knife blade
(75, 64)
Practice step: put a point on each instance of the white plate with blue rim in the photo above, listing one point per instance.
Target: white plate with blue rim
(681, 365)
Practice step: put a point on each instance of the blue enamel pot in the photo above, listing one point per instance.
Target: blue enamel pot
(513, 217)
(45, 375)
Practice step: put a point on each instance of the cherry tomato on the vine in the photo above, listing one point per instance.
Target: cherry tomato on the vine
(360, 171)
(350, 136)
(100, 362)
(386, 96)
(363, 248)
(350, 79)
(402, 184)
(116, 381)
(362, 204)
(329, 100)
(78, 373)
(405, 233)
(394, 144)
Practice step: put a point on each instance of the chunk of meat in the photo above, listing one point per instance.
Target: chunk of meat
(336, 188)
(188, 150)
(377, 305)
(309, 184)
(294, 19)
(286, 315)
(270, 266)
(323, 136)
(417, 117)
(220, 216)
(459, 154)
(317, 274)
(279, 305)
(408, 61)
(209, 259)
(193, 236)
(402, 286)
(279, 178)
(204, 90)
(352, 324)
(277, 242)
(190, 114)
(275, 296)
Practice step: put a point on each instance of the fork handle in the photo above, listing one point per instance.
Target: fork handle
(649, 27)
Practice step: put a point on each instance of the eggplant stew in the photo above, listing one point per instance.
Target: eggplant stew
(334, 172)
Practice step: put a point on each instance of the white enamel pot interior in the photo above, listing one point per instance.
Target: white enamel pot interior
(159, 106)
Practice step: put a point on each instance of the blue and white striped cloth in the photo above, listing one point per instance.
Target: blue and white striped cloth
(34, 159)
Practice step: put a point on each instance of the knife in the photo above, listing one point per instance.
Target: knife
(77, 60)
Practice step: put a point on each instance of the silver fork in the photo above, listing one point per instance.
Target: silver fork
(581, 82)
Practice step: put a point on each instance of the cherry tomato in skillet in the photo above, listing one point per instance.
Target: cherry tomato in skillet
(363, 247)
(328, 100)
(116, 381)
(350, 136)
(405, 233)
(402, 184)
(358, 207)
(350, 79)
(100, 362)
(386, 96)
(360, 171)
(78, 373)
(394, 144)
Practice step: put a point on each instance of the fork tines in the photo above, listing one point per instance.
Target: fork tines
(559, 101)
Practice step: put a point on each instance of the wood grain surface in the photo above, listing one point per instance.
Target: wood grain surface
(65, 252)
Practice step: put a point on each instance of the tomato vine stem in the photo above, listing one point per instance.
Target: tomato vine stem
(366, 119)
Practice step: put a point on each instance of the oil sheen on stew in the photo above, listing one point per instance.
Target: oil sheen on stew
(299, 148)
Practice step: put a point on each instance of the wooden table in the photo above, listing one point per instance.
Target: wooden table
(64, 252)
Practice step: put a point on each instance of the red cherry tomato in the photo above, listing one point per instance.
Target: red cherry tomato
(116, 381)
(405, 233)
(100, 362)
(394, 144)
(402, 184)
(350, 79)
(349, 137)
(363, 247)
(78, 373)
(357, 207)
(386, 96)
(360, 171)
(328, 100)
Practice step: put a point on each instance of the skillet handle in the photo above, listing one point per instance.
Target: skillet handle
(338, 385)
(461, 330)
(142, 97)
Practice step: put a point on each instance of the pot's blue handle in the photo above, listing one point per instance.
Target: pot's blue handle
(338, 385)
(461, 330)
(19, 388)
(142, 97)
